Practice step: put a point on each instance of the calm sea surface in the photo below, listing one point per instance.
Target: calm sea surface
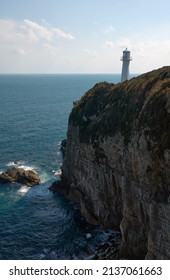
(35, 223)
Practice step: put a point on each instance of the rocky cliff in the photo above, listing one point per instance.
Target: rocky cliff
(117, 161)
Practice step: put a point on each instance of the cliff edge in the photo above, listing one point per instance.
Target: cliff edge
(117, 161)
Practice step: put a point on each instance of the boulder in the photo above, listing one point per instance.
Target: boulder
(19, 175)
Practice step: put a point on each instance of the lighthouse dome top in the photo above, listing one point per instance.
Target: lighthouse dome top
(126, 55)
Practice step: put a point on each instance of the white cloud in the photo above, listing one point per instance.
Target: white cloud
(27, 46)
(21, 51)
(9, 31)
(109, 44)
(29, 32)
(124, 43)
(37, 31)
(52, 50)
(30, 46)
(62, 35)
(109, 29)
(90, 53)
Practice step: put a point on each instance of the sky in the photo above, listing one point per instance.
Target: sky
(83, 36)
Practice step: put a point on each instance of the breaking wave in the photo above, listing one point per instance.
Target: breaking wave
(21, 164)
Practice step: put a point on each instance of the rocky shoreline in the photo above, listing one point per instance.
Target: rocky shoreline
(108, 250)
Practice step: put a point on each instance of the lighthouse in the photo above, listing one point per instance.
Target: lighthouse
(125, 66)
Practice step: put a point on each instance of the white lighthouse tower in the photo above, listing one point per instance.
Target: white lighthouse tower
(125, 66)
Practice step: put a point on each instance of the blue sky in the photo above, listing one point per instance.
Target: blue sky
(83, 36)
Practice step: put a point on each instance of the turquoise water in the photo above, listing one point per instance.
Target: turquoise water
(35, 223)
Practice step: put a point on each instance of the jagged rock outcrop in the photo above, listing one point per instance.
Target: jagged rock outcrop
(19, 175)
(117, 161)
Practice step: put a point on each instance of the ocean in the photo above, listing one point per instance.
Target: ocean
(34, 222)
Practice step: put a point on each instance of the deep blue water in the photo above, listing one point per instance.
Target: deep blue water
(35, 223)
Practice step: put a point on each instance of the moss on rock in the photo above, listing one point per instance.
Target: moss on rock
(139, 103)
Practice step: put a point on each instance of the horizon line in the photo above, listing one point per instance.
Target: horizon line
(67, 74)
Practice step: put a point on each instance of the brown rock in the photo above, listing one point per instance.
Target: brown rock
(19, 175)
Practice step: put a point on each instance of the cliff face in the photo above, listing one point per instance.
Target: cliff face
(117, 161)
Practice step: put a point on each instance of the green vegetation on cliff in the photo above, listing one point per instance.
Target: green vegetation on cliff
(140, 103)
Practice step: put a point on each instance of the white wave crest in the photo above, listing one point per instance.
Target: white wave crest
(21, 164)
(57, 173)
(11, 163)
(24, 189)
(27, 167)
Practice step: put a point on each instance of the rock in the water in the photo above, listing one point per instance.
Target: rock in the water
(19, 175)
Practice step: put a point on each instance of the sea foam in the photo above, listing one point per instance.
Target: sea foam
(57, 173)
(21, 164)
(24, 189)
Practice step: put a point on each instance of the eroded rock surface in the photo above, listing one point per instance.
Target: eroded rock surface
(117, 161)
